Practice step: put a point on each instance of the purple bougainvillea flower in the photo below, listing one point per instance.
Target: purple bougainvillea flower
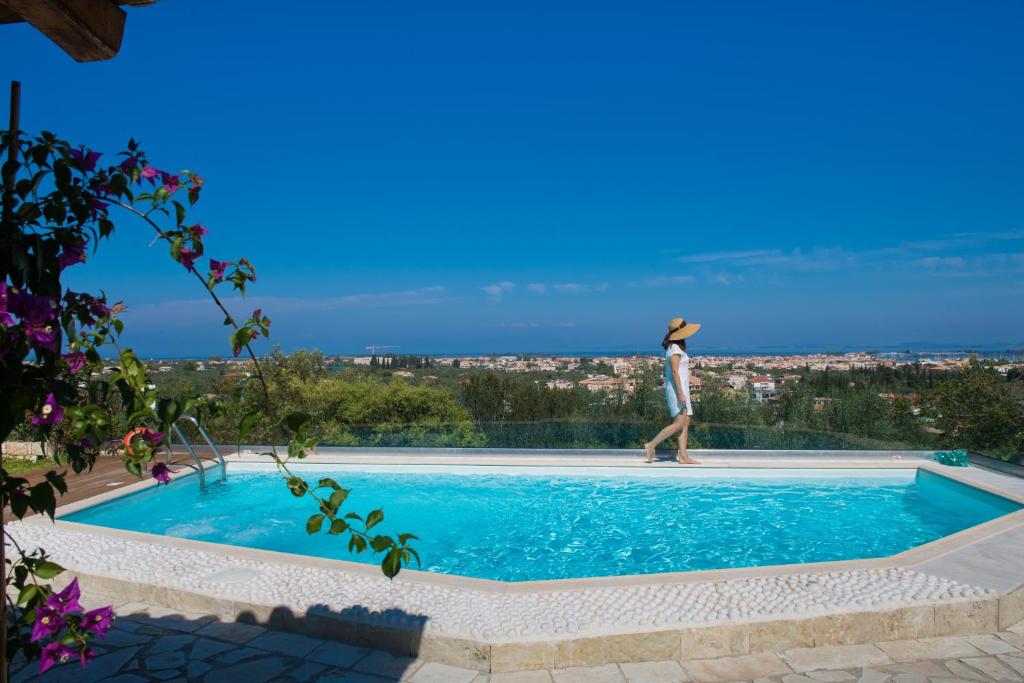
(99, 307)
(198, 230)
(161, 473)
(217, 268)
(5, 316)
(86, 160)
(52, 654)
(150, 173)
(129, 163)
(73, 253)
(96, 207)
(75, 361)
(67, 600)
(171, 183)
(98, 621)
(187, 257)
(48, 622)
(86, 655)
(37, 314)
(49, 413)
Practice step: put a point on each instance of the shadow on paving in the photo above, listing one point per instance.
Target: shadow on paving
(150, 643)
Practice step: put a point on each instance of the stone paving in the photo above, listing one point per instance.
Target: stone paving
(465, 612)
(150, 644)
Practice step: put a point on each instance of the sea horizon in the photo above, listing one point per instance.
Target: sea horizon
(1009, 352)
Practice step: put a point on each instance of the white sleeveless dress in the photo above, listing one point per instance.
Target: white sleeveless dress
(675, 406)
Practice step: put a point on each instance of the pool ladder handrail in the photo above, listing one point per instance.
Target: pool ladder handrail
(192, 451)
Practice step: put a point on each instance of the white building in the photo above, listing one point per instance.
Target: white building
(764, 387)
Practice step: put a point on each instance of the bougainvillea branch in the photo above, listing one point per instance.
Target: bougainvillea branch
(56, 209)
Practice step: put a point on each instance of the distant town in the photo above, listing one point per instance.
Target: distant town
(761, 375)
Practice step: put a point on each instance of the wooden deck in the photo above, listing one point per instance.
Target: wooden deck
(107, 474)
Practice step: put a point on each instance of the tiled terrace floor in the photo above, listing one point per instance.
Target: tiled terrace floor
(155, 644)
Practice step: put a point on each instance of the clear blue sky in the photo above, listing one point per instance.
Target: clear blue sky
(475, 176)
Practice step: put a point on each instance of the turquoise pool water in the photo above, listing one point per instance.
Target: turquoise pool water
(506, 524)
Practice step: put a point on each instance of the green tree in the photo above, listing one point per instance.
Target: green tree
(976, 409)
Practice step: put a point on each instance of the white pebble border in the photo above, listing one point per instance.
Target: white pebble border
(486, 615)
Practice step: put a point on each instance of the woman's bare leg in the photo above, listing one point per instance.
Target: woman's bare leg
(684, 435)
(673, 428)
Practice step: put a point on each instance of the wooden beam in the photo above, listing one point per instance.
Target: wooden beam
(88, 30)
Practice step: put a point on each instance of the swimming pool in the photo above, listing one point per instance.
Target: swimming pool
(535, 523)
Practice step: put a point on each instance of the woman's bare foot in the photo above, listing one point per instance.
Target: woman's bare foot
(649, 450)
(685, 459)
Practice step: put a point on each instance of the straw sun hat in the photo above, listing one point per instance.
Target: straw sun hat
(678, 329)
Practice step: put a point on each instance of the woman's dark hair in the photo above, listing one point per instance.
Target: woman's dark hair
(666, 342)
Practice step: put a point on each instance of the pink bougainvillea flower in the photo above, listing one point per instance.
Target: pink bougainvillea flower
(171, 182)
(5, 316)
(198, 230)
(150, 173)
(37, 314)
(187, 257)
(98, 621)
(54, 653)
(73, 253)
(75, 361)
(66, 601)
(48, 622)
(161, 473)
(85, 160)
(217, 269)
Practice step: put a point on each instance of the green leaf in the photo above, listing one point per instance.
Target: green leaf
(296, 422)
(246, 425)
(329, 483)
(381, 543)
(179, 212)
(42, 500)
(314, 523)
(374, 518)
(56, 480)
(47, 569)
(337, 498)
(356, 543)
(168, 410)
(338, 526)
(298, 486)
(392, 563)
(26, 593)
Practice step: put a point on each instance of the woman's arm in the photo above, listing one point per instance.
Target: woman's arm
(681, 391)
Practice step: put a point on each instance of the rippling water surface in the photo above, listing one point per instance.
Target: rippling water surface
(514, 527)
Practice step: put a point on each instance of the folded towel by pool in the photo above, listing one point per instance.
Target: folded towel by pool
(957, 458)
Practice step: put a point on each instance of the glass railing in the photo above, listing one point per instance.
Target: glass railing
(420, 403)
(417, 402)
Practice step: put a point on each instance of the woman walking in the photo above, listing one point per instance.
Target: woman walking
(677, 389)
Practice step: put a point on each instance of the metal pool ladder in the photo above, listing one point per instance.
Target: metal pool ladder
(192, 451)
